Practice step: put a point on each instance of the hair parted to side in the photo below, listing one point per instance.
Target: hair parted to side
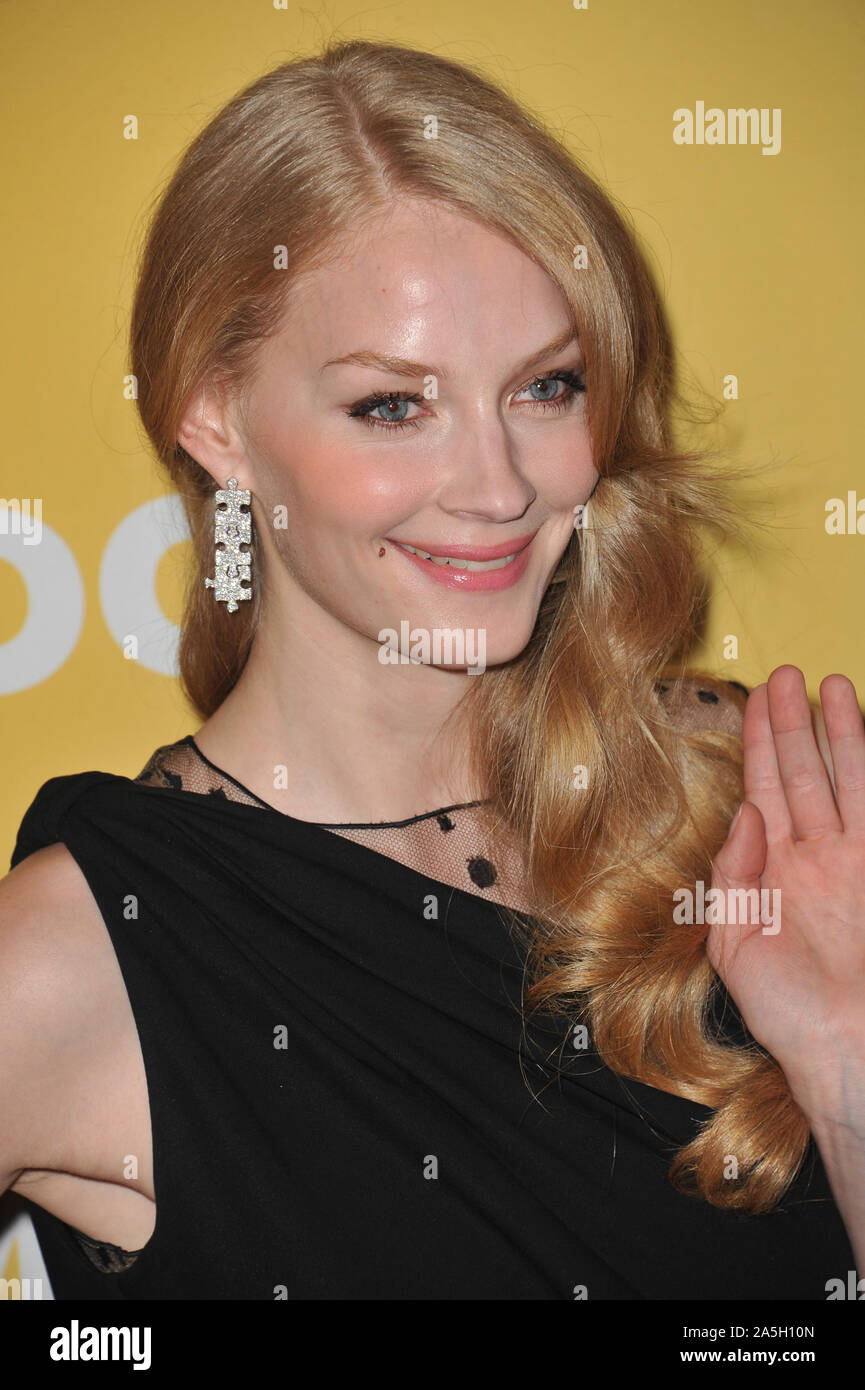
(329, 142)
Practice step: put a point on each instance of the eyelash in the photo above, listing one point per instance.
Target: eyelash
(362, 409)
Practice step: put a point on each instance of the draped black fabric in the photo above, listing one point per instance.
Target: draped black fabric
(344, 1104)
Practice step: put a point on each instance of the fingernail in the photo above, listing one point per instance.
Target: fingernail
(736, 816)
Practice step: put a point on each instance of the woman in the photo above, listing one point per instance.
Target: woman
(300, 1035)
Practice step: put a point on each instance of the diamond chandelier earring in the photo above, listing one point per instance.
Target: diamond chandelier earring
(231, 528)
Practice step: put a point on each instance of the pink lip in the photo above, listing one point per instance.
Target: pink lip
(473, 580)
(471, 552)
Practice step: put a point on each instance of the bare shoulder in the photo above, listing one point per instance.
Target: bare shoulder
(700, 702)
(65, 1017)
(45, 878)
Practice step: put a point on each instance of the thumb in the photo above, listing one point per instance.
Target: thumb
(742, 857)
(738, 865)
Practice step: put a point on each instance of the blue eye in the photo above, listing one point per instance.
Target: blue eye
(395, 402)
(573, 381)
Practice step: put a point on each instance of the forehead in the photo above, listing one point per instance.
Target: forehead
(423, 278)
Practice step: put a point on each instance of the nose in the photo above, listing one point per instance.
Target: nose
(484, 479)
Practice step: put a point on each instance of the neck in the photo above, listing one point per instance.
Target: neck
(360, 741)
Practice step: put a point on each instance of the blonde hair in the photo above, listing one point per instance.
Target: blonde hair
(329, 142)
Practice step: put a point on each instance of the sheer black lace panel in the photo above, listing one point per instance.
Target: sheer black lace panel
(108, 1259)
(449, 845)
(453, 845)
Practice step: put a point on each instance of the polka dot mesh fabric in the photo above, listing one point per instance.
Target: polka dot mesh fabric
(453, 844)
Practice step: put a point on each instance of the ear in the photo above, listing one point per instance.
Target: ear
(210, 434)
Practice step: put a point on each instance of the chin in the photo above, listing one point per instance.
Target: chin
(451, 646)
(503, 649)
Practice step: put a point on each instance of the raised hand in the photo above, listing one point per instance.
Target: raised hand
(798, 975)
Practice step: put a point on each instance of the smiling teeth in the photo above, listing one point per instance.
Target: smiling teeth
(460, 564)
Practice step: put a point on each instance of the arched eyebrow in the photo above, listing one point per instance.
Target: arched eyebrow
(402, 366)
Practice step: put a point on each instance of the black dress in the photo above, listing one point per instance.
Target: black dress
(344, 1104)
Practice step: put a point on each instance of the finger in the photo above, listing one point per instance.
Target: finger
(742, 858)
(823, 744)
(804, 778)
(845, 730)
(738, 867)
(762, 777)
